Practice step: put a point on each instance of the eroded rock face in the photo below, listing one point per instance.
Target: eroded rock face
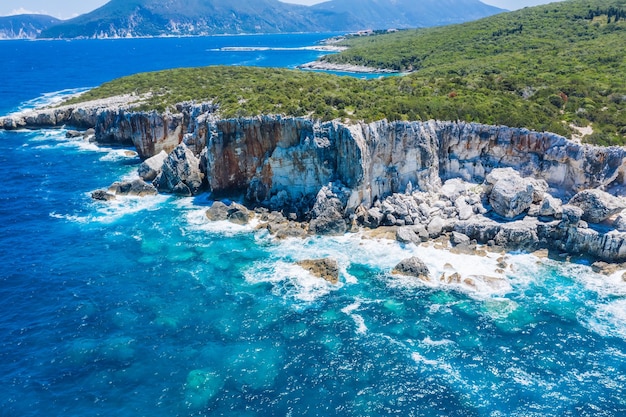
(427, 175)
(152, 167)
(180, 173)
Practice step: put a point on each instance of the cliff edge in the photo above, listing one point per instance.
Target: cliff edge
(497, 185)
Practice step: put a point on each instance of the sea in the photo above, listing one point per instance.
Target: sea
(142, 307)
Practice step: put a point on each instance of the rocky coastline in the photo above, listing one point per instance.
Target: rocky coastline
(471, 184)
(358, 69)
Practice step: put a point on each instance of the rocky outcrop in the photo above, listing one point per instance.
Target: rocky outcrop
(327, 214)
(134, 188)
(511, 195)
(180, 173)
(496, 185)
(413, 267)
(232, 212)
(326, 268)
(597, 205)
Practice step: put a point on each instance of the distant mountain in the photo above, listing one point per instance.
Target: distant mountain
(25, 26)
(401, 14)
(134, 18)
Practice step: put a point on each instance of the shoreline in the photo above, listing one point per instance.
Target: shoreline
(327, 66)
(439, 179)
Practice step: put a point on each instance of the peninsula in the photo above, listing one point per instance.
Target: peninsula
(316, 153)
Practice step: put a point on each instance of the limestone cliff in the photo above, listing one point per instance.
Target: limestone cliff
(378, 174)
(294, 157)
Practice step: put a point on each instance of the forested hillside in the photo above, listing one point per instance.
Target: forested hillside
(558, 68)
(565, 59)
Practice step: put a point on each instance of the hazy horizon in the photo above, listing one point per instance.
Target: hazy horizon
(70, 8)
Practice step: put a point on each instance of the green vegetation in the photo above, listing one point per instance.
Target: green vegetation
(545, 68)
(566, 60)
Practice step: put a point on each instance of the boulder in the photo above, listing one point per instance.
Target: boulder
(102, 195)
(510, 195)
(620, 222)
(517, 235)
(466, 211)
(137, 188)
(597, 205)
(436, 227)
(572, 214)
(371, 218)
(413, 267)
(151, 167)
(411, 234)
(549, 207)
(72, 134)
(233, 212)
(181, 173)
(281, 227)
(481, 229)
(327, 215)
(288, 229)
(459, 239)
(327, 268)
(453, 189)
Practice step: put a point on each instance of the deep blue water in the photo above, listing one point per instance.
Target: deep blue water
(143, 308)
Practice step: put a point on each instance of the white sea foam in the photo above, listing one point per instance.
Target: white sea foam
(418, 358)
(51, 98)
(110, 211)
(444, 342)
(290, 280)
(122, 206)
(320, 48)
(608, 320)
(59, 139)
(482, 277)
(46, 135)
(197, 220)
(359, 321)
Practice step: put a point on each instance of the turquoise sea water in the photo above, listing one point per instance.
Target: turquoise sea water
(144, 308)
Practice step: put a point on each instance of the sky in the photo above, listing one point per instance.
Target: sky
(65, 9)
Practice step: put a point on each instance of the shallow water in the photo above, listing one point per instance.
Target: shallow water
(143, 307)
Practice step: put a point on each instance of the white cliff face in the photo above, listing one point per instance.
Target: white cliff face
(380, 173)
(298, 156)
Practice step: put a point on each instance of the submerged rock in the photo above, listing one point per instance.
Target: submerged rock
(413, 267)
(327, 268)
(201, 387)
